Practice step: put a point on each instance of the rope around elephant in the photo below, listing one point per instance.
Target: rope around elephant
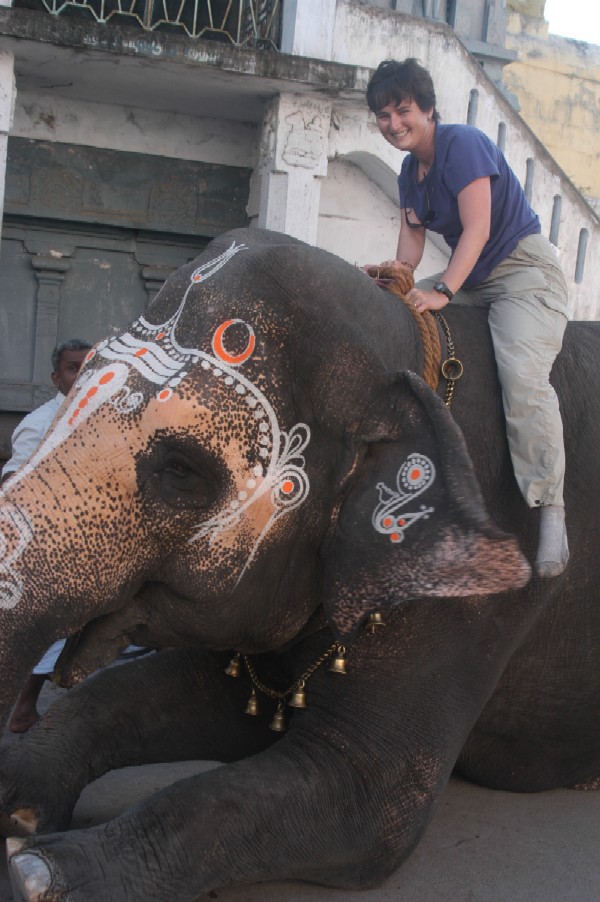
(400, 282)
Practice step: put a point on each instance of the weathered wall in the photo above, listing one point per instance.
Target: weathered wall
(557, 83)
(172, 135)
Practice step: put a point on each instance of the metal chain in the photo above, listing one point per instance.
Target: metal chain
(452, 368)
(273, 693)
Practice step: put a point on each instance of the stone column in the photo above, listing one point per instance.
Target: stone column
(286, 187)
(7, 109)
(50, 272)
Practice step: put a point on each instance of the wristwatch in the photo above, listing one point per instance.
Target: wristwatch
(442, 288)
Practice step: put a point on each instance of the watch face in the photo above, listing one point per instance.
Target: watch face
(442, 288)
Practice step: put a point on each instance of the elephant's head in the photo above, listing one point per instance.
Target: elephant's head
(240, 455)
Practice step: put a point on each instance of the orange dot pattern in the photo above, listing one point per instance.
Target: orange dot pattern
(92, 390)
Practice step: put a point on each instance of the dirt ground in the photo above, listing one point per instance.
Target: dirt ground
(482, 846)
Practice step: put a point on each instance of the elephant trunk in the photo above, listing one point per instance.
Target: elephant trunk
(50, 585)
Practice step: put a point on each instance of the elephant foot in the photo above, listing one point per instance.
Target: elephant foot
(30, 876)
(30, 802)
(21, 822)
(77, 866)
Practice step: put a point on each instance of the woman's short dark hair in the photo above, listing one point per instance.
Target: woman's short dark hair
(395, 81)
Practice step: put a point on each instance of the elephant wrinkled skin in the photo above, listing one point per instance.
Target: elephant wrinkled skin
(254, 468)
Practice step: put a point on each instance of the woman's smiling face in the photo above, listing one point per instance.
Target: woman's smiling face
(406, 127)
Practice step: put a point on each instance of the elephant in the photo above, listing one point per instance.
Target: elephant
(255, 478)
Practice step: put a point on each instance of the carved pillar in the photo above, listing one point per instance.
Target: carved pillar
(286, 187)
(50, 272)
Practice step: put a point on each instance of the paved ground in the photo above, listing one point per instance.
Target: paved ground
(482, 846)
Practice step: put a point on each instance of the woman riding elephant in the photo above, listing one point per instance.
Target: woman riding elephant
(456, 182)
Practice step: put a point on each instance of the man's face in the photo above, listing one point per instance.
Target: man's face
(68, 368)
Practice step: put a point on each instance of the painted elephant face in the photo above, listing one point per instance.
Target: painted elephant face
(173, 455)
(242, 455)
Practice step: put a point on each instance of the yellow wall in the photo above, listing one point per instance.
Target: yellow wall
(557, 82)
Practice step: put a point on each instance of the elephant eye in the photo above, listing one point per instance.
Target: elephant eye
(179, 473)
(178, 468)
(179, 478)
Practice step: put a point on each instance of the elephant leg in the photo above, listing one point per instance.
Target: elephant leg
(171, 706)
(341, 799)
(286, 813)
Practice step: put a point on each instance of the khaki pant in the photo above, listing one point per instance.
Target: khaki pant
(526, 295)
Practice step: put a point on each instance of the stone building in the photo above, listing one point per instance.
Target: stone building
(557, 84)
(128, 140)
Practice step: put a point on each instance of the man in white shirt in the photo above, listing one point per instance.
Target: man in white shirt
(67, 358)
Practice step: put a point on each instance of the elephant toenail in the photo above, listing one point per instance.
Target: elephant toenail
(30, 877)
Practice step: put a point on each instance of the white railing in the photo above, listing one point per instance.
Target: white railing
(244, 23)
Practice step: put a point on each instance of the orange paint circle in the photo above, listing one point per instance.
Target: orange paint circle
(388, 521)
(106, 378)
(287, 487)
(219, 349)
(394, 537)
(415, 474)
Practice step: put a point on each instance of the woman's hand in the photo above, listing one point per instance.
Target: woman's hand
(426, 300)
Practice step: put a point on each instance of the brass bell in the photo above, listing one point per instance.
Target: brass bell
(338, 665)
(298, 699)
(252, 706)
(375, 620)
(278, 722)
(233, 668)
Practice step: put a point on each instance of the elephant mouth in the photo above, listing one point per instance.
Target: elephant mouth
(100, 642)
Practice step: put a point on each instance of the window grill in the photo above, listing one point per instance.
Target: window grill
(244, 23)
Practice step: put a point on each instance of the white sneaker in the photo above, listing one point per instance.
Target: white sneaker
(553, 550)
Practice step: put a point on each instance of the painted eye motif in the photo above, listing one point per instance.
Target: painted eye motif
(221, 352)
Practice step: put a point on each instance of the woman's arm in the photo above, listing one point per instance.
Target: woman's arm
(475, 211)
(411, 244)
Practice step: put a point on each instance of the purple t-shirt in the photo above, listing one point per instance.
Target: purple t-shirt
(463, 154)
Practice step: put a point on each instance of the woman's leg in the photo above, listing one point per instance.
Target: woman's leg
(527, 332)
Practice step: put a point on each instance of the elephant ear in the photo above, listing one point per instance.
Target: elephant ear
(412, 523)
